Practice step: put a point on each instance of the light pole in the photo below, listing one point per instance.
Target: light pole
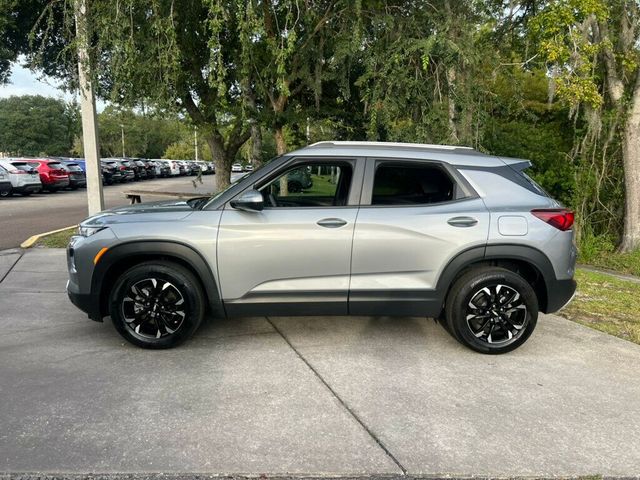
(195, 139)
(122, 132)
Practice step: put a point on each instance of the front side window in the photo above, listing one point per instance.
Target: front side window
(321, 184)
(411, 185)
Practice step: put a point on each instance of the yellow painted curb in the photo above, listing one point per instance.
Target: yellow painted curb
(28, 243)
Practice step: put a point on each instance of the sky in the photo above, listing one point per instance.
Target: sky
(25, 82)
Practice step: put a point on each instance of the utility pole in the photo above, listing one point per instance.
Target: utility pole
(95, 198)
(195, 139)
(122, 133)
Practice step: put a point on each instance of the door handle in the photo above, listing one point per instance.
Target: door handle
(332, 222)
(462, 221)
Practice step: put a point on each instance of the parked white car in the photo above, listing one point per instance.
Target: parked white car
(236, 167)
(174, 166)
(206, 167)
(5, 184)
(24, 178)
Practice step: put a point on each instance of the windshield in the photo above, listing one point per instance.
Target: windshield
(255, 173)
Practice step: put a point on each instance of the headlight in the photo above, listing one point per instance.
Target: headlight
(88, 231)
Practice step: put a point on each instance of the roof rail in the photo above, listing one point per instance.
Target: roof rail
(331, 143)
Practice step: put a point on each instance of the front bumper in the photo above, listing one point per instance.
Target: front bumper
(85, 302)
(28, 188)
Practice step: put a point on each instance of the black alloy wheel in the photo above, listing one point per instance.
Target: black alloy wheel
(157, 304)
(491, 310)
(496, 314)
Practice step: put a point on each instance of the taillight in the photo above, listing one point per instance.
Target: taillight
(123, 168)
(560, 218)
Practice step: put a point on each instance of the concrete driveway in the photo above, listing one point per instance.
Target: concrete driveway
(319, 396)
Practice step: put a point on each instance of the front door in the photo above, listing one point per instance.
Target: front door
(294, 256)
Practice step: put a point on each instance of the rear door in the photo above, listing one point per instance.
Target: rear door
(294, 256)
(415, 217)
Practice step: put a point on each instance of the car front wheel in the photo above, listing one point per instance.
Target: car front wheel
(157, 304)
(491, 310)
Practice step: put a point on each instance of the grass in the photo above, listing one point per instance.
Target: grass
(601, 252)
(606, 303)
(57, 240)
(619, 262)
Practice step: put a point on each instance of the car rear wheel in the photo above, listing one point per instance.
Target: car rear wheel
(491, 310)
(5, 193)
(157, 304)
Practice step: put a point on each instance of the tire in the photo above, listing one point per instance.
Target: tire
(140, 326)
(491, 310)
(5, 193)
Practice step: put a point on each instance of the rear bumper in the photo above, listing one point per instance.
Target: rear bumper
(559, 294)
(56, 183)
(78, 182)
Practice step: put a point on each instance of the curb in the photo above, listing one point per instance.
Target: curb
(611, 273)
(28, 243)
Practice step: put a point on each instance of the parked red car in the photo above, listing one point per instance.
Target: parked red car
(52, 174)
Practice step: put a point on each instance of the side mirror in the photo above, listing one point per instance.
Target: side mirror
(249, 201)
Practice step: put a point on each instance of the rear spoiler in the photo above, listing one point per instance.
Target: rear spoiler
(518, 164)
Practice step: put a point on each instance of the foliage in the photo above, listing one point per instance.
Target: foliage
(145, 136)
(185, 150)
(36, 125)
(601, 252)
(547, 80)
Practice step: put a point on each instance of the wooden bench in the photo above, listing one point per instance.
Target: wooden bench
(135, 195)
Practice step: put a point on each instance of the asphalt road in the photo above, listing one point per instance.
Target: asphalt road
(367, 397)
(21, 217)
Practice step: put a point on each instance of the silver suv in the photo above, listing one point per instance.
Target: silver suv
(382, 229)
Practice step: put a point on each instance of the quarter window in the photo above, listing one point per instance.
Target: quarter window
(411, 185)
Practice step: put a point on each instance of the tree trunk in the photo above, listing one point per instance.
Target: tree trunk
(256, 143)
(281, 143)
(281, 148)
(255, 155)
(220, 160)
(631, 162)
(451, 87)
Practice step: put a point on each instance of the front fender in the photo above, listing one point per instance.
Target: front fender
(125, 255)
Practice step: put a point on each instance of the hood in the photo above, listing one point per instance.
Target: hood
(161, 211)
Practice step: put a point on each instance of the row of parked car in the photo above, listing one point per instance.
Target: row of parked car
(119, 170)
(24, 176)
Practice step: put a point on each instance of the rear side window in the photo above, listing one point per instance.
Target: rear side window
(538, 189)
(411, 185)
(25, 167)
